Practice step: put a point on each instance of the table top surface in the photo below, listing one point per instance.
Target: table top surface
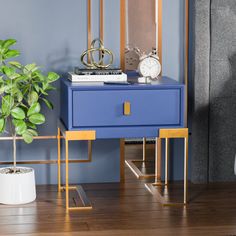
(162, 82)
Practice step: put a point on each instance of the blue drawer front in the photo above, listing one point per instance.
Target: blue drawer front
(104, 108)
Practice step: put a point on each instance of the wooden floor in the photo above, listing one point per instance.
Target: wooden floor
(125, 209)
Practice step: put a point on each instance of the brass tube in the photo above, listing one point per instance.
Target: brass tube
(67, 176)
(36, 137)
(59, 158)
(42, 162)
(144, 149)
(185, 170)
(122, 34)
(166, 160)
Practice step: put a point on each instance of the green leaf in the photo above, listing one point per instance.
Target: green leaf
(35, 108)
(7, 43)
(50, 87)
(25, 89)
(33, 132)
(11, 53)
(2, 86)
(48, 103)
(45, 85)
(37, 119)
(39, 76)
(16, 64)
(43, 92)
(27, 136)
(18, 113)
(7, 104)
(30, 68)
(52, 76)
(19, 96)
(30, 125)
(32, 97)
(20, 126)
(36, 87)
(8, 71)
(2, 89)
(2, 125)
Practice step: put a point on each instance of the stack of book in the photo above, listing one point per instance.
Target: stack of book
(97, 75)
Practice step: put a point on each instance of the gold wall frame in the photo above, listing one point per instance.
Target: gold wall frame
(159, 39)
(158, 12)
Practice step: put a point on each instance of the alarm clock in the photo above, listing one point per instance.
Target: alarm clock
(149, 66)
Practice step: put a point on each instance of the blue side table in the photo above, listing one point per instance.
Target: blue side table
(124, 111)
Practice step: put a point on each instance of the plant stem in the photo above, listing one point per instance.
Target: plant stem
(13, 133)
(14, 151)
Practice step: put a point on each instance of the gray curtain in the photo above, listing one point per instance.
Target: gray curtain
(212, 90)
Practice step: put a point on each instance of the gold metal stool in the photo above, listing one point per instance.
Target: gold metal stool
(131, 164)
(153, 187)
(88, 135)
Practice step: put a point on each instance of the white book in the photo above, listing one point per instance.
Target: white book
(97, 78)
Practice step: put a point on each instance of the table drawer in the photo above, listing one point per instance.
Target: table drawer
(104, 108)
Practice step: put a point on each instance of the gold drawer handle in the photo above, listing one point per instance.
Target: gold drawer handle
(127, 108)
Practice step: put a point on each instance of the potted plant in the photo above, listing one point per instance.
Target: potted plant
(22, 89)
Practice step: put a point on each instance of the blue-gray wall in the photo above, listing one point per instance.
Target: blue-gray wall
(53, 33)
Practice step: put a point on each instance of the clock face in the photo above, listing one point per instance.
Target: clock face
(150, 67)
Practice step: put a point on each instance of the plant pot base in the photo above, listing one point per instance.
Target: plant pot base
(17, 188)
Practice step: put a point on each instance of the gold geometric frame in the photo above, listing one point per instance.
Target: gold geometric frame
(132, 163)
(177, 132)
(186, 57)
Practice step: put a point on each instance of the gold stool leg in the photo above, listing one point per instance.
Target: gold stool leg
(59, 159)
(167, 134)
(185, 170)
(67, 177)
(166, 160)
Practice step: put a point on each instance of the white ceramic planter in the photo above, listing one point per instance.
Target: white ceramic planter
(17, 188)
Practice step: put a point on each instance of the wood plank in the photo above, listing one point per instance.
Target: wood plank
(125, 209)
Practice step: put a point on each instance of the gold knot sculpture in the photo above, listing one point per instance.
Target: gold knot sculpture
(91, 63)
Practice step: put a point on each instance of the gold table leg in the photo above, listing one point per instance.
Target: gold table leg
(67, 177)
(167, 134)
(185, 170)
(68, 136)
(158, 163)
(166, 160)
(79, 189)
